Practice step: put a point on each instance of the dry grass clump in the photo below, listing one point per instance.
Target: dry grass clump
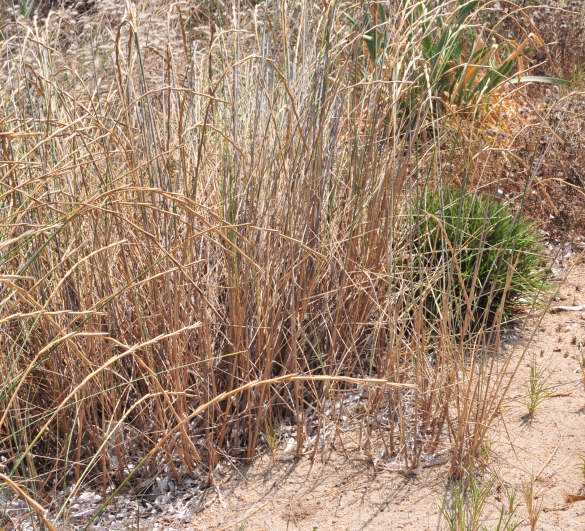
(200, 240)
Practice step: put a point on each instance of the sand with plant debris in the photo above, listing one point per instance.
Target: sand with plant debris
(549, 448)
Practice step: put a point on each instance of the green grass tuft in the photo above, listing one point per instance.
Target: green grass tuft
(476, 261)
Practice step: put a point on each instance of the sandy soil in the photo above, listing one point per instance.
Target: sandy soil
(551, 447)
(344, 491)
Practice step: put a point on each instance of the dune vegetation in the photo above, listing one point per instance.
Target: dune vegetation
(220, 218)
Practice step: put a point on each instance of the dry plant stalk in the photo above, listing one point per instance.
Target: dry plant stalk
(34, 505)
